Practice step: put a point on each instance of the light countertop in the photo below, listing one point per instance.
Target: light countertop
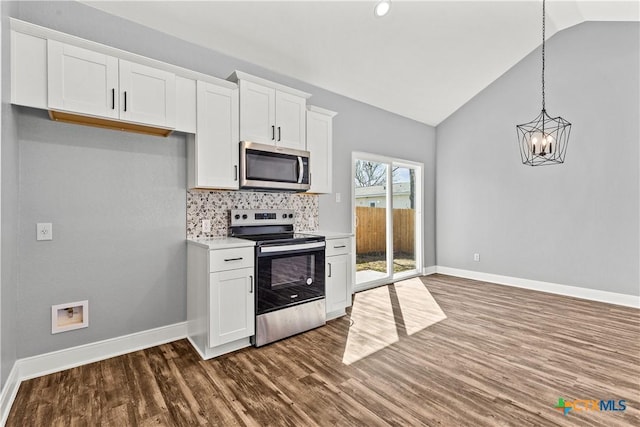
(221, 243)
(332, 234)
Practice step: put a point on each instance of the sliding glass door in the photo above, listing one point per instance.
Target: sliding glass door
(387, 212)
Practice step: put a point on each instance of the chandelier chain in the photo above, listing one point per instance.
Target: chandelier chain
(543, 42)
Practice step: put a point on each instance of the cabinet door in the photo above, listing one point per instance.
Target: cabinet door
(319, 144)
(147, 95)
(290, 120)
(81, 81)
(337, 289)
(231, 306)
(257, 113)
(216, 141)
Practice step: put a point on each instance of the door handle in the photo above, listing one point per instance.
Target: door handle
(235, 167)
(279, 133)
(273, 132)
(300, 170)
(251, 284)
(113, 99)
(232, 259)
(125, 100)
(329, 269)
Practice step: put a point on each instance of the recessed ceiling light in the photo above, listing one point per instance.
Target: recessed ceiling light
(382, 8)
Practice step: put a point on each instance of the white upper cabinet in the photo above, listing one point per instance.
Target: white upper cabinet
(320, 147)
(149, 95)
(213, 151)
(271, 113)
(91, 83)
(257, 113)
(290, 120)
(82, 81)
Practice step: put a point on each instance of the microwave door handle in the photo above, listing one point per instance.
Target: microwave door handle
(300, 170)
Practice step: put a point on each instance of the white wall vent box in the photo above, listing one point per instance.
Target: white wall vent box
(69, 316)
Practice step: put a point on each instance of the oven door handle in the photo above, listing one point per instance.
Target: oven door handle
(291, 248)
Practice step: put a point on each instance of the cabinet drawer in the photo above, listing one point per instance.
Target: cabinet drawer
(338, 246)
(229, 259)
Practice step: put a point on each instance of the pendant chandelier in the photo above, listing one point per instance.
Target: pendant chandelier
(544, 140)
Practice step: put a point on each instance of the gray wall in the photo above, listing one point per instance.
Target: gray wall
(117, 200)
(573, 224)
(9, 210)
(117, 204)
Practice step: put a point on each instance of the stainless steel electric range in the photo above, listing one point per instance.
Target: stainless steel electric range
(289, 271)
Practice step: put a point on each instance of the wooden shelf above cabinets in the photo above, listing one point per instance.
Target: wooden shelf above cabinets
(77, 119)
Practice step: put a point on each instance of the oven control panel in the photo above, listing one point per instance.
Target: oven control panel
(241, 217)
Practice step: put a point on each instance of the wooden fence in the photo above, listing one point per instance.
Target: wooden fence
(371, 230)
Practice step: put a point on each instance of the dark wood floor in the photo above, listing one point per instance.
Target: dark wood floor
(432, 351)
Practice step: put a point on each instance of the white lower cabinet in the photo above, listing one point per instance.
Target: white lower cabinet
(220, 298)
(231, 303)
(338, 283)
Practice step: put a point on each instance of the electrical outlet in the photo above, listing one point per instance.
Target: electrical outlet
(338, 197)
(206, 226)
(476, 257)
(311, 224)
(44, 231)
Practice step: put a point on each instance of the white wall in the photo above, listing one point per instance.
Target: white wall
(573, 224)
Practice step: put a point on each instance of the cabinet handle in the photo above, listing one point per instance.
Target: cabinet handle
(232, 259)
(329, 269)
(339, 247)
(251, 288)
(235, 167)
(125, 100)
(273, 132)
(279, 133)
(113, 99)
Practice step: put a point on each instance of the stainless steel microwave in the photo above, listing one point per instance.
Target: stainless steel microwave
(267, 167)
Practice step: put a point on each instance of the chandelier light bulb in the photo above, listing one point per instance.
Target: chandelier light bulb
(541, 143)
(382, 8)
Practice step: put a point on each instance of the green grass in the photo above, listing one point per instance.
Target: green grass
(377, 262)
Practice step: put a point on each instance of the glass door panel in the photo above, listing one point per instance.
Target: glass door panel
(370, 186)
(405, 200)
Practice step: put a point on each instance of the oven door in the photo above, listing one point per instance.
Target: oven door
(288, 275)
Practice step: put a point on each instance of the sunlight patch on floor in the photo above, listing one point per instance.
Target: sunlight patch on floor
(373, 326)
(364, 276)
(419, 309)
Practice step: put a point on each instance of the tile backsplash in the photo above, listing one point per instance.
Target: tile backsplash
(215, 206)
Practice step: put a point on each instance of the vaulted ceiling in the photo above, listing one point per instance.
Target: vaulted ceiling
(423, 60)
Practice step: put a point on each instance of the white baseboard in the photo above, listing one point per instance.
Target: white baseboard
(9, 392)
(429, 270)
(553, 288)
(48, 363)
